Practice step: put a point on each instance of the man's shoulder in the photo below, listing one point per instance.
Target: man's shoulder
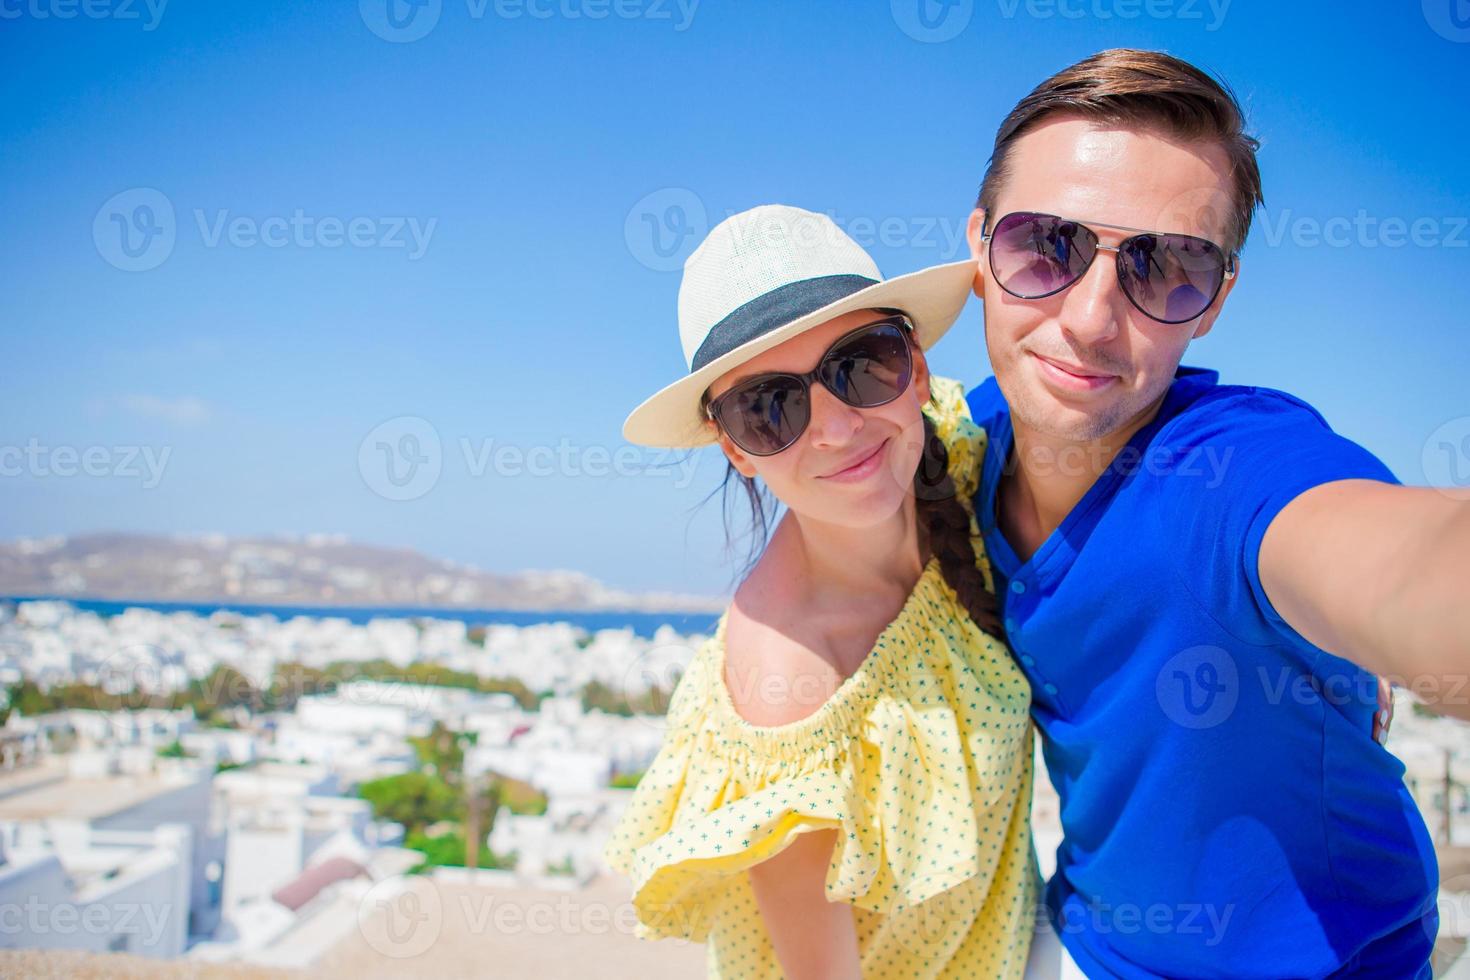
(1267, 436)
(1235, 411)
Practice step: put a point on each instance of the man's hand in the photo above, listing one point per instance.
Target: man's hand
(1379, 574)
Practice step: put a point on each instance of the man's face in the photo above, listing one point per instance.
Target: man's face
(1084, 362)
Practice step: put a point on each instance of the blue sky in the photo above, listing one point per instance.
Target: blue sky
(350, 236)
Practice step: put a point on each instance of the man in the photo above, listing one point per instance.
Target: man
(1200, 580)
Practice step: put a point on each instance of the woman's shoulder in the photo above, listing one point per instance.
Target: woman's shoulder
(765, 672)
(768, 677)
(762, 668)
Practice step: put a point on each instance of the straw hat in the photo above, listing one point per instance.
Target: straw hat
(762, 277)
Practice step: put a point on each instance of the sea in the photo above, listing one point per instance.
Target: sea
(643, 624)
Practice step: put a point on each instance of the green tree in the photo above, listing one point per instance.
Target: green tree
(597, 696)
(626, 780)
(413, 799)
(449, 850)
(29, 699)
(519, 797)
(443, 751)
(173, 750)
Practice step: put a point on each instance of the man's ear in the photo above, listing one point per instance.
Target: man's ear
(974, 230)
(1207, 322)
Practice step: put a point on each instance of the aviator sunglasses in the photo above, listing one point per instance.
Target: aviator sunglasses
(1169, 278)
(865, 368)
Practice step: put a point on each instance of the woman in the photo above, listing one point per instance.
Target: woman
(845, 781)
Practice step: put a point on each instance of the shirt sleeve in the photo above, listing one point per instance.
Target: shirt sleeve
(1226, 467)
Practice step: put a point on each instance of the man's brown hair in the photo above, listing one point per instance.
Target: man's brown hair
(1145, 90)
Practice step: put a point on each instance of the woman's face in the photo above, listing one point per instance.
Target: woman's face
(852, 466)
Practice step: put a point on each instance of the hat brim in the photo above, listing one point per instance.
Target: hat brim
(932, 298)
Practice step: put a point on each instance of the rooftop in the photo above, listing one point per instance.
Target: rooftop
(46, 792)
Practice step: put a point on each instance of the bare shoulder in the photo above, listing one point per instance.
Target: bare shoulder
(773, 675)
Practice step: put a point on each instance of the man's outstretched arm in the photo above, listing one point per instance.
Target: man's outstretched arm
(1379, 574)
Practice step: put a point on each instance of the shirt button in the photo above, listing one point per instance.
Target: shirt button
(1018, 586)
(1028, 660)
(1049, 688)
(1012, 626)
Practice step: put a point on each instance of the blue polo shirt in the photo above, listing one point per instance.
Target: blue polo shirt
(1225, 810)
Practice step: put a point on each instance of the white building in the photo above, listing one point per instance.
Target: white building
(67, 885)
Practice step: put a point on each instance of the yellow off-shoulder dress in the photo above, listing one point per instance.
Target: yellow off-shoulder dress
(921, 760)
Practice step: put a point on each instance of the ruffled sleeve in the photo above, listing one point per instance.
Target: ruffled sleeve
(723, 795)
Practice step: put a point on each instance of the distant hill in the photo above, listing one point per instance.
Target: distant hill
(318, 569)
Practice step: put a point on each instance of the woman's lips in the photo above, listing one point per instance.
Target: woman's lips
(1066, 376)
(863, 468)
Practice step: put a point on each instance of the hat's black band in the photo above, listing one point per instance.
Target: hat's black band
(773, 309)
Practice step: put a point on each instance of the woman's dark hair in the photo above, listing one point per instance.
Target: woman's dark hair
(938, 511)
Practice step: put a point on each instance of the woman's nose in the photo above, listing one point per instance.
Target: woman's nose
(834, 422)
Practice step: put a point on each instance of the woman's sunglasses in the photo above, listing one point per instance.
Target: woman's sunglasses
(866, 368)
(1170, 278)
